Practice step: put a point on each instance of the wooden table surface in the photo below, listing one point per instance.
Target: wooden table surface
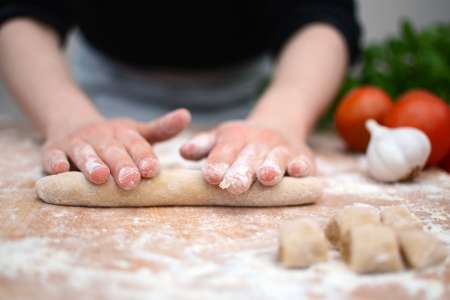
(52, 252)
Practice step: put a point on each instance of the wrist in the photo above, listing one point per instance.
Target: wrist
(292, 134)
(66, 124)
(283, 110)
(62, 121)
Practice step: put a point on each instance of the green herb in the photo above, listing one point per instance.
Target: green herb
(414, 59)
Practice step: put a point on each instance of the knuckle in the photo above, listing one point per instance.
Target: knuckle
(133, 138)
(268, 136)
(47, 149)
(122, 121)
(74, 141)
(106, 144)
(114, 151)
(225, 149)
(142, 152)
(282, 151)
(233, 126)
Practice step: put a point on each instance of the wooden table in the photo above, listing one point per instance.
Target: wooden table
(52, 252)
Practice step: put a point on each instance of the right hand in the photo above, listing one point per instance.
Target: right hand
(120, 147)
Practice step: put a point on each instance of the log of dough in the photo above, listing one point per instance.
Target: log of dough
(421, 249)
(349, 217)
(173, 187)
(372, 248)
(399, 218)
(302, 244)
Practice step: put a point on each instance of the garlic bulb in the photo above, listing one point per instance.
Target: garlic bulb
(396, 154)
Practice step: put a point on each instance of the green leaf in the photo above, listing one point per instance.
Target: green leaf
(413, 59)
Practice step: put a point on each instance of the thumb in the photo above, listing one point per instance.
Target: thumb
(165, 127)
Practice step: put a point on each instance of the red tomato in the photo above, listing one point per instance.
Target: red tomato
(445, 163)
(357, 106)
(427, 112)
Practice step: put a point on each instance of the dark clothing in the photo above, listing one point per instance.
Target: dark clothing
(187, 34)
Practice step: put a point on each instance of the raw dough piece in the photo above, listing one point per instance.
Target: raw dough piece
(421, 249)
(349, 217)
(173, 187)
(372, 248)
(399, 218)
(302, 243)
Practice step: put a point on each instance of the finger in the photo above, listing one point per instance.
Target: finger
(272, 170)
(122, 166)
(166, 126)
(240, 176)
(140, 151)
(54, 161)
(223, 154)
(87, 160)
(301, 165)
(199, 146)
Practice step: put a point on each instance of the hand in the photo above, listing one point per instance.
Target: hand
(240, 152)
(120, 147)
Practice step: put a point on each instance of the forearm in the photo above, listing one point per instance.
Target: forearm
(306, 78)
(34, 69)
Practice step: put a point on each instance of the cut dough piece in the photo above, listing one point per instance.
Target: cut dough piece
(372, 248)
(349, 217)
(399, 218)
(173, 187)
(421, 249)
(302, 244)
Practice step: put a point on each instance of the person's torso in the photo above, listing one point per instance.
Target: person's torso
(178, 34)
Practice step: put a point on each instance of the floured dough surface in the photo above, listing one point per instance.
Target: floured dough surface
(347, 218)
(205, 252)
(302, 244)
(372, 248)
(421, 249)
(399, 218)
(173, 187)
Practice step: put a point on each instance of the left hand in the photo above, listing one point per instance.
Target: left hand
(239, 152)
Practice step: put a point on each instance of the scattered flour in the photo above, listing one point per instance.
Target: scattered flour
(254, 270)
(215, 253)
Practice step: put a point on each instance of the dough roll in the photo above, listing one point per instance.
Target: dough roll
(173, 187)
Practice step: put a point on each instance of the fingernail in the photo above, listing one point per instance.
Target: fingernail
(236, 181)
(199, 146)
(98, 172)
(149, 167)
(188, 148)
(214, 173)
(92, 165)
(299, 167)
(235, 184)
(239, 177)
(128, 178)
(59, 166)
(304, 167)
(269, 174)
(202, 142)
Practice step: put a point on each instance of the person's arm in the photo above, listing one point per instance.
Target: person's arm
(272, 140)
(33, 66)
(306, 78)
(314, 40)
(34, 69)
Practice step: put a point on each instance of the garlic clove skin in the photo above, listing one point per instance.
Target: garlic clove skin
(396, 154)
